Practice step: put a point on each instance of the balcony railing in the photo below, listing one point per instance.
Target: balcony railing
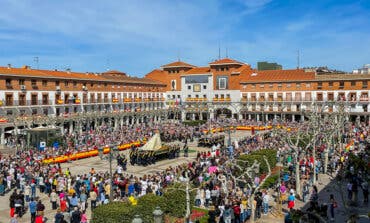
(221, 99)
(196, 99)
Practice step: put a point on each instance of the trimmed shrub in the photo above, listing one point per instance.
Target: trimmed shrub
(114, 212)
(258, 156)
(173, 203)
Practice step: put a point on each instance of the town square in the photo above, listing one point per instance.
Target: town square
(224, 111)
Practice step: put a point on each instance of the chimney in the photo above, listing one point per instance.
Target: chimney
(26, 67)
(68, 70)
(9, 66)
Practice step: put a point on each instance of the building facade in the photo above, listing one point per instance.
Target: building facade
(268, 66)
(230, 88)
(30, 98)
(224, 88)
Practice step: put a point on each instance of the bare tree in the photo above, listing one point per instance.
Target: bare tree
(241, 173)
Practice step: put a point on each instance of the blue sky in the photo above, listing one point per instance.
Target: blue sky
(137, 36)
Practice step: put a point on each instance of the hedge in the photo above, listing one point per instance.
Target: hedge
(258, 155)
(173, 203)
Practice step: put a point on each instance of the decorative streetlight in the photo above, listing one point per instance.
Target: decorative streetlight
(279, 165)
(158, 215)
(137, 219)
(113, 152)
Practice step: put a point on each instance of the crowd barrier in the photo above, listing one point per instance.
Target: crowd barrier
(87, 154)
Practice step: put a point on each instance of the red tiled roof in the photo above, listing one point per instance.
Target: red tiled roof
(154, 73)
(225, 61)
(110, 72)
(241, 69)
(28, 72)
(198, 70)
(177, 64)
(276, 76)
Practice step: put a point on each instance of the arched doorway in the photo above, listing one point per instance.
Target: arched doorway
(223, 113)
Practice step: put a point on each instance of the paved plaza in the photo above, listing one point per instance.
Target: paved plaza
(325, 184)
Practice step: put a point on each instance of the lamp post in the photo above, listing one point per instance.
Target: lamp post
(279, 165)
(113, 151)
(158, 215)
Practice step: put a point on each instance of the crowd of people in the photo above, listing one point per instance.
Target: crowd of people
(228, 202)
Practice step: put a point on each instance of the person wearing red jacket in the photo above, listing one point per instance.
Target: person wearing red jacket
(237, 211)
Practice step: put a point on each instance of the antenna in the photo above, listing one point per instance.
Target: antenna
(178, 55)
(227, 52)
(219, 51)
(36, 60)
(298, 59)
(108, 64)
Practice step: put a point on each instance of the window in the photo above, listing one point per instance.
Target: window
(57, 83)
(262, 85)
(298, 85)
(34, 83)
(8, 83)
(222, 82)
(353, 83)
(308, 85)
(319, 85)
(173, 85)
(330, 84)
(288, 85)
(74, 83)
(105, 84)
(66, 83)
(21, 81)
(91, 84)
(44, 83)
(189, 96)
(204, 96)
(204, 87)
(189, 87)
(253, 86)
(279, 85)
(198, 79)
(364, 84)
(271, 85)
(341, 84)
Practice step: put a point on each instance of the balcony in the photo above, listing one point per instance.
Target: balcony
(221, 99)
(196, 99)
(127, 100)
(115, 100)
(138, 100)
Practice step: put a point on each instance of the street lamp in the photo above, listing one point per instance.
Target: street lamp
(279, 165)
(158, 215)
(112, 152)
(137, 219)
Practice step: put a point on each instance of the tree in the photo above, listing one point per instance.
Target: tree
(239, 170)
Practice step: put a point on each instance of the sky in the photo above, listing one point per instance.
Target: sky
(137, 36)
